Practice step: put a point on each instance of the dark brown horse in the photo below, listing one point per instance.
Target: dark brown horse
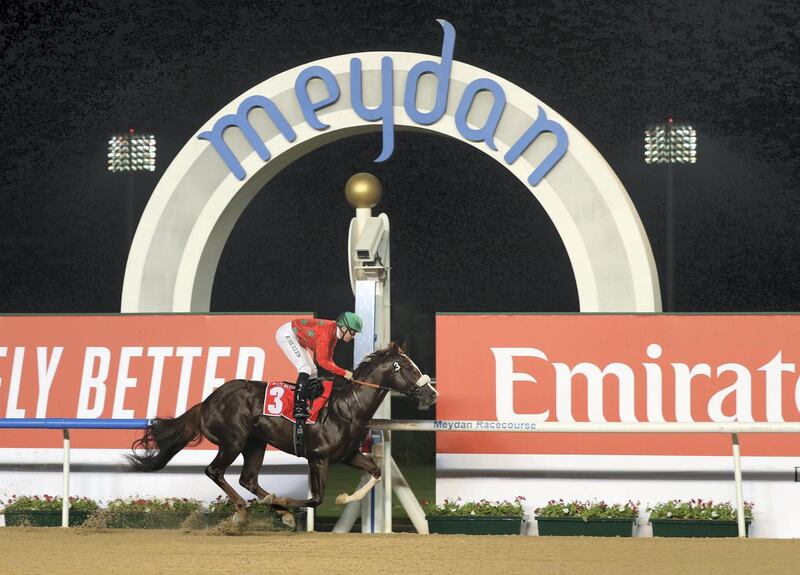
(231, 417)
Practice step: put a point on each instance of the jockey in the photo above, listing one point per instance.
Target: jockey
(300, 338)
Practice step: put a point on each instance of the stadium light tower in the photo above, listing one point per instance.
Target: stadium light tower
(131, 153)
(670, 144)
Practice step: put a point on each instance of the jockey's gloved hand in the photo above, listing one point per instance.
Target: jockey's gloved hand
(348, 375)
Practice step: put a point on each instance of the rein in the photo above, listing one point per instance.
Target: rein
(412, 393)
(368, 384)
(350, 420)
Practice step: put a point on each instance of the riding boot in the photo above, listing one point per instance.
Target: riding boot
(301, 413)
(301, 409)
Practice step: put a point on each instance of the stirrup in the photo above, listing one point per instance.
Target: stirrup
(300, 411)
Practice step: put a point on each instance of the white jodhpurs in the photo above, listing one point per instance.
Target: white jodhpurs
(297, 354)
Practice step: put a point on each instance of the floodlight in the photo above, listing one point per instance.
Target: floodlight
(132, 153)
(670, 144)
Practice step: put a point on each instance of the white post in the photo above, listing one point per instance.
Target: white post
(365, 343)
(386, 475)
(370, 271)
(65, 493)
(737, 474)
(408, 500)
(310, 514)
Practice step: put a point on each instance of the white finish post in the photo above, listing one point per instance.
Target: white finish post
(387, 464)
(65, 492)
(372, 507)
(371, 287)
(737, 474)
(383, 490)
(310, 514)
(365, 344)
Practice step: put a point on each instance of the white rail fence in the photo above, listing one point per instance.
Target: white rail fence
(733, 429)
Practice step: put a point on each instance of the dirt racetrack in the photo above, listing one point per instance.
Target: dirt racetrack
(144, 552)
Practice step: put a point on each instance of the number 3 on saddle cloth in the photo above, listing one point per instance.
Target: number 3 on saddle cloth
(279, 399)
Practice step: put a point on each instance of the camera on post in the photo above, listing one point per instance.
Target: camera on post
(368, 244)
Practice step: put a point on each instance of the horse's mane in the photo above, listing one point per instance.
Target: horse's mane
(391, 351)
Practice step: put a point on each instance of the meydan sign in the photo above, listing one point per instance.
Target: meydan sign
(383, 112)
(232, 157)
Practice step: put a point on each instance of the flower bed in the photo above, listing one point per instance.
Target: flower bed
(156, 513)
(587, 518)
(697, 518)
(138, 513)
(46, 510)
(475, 517)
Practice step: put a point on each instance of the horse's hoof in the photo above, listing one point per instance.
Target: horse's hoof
(239, 518)
(288, 519)
(267, 499)
(342, 498)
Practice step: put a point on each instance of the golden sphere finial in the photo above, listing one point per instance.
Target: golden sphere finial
(363, 190)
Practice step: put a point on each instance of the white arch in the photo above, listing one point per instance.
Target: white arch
(175, 252)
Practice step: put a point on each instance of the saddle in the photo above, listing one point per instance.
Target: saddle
(279, 398)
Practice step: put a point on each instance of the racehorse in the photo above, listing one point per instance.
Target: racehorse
(232, 418)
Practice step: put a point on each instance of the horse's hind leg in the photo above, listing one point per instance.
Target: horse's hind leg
(216, 471)
(253, 454)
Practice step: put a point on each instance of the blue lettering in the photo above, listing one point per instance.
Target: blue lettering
(541, 124)
(384, 111)
(240, 120)
(442, 73)
(485, 134)
(309, 108)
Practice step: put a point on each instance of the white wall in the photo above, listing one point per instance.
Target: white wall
(100, 474)
(768, 482)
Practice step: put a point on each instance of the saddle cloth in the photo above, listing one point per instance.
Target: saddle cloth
(279, 400)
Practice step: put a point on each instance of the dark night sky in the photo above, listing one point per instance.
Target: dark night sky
(467, 236)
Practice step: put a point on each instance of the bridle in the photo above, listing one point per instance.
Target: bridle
(416, 392)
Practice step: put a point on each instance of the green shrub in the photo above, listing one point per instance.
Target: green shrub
(482, 508)
(140, 505)
(48, 503)
(698, 509)
(589, 509)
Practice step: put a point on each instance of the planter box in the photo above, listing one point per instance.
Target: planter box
(44, 518)
(593, 527)
(471, 525)
(696, 528)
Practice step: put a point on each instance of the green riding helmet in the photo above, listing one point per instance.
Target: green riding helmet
(349, 320)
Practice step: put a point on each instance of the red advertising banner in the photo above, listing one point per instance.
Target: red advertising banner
(597, 368)
(126, 367)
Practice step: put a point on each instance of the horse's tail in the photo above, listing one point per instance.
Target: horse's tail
(164, 438)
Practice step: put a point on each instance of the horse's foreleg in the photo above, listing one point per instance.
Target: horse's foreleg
(364, 463)
(317, 475)
(253, 454)
(216, 471)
